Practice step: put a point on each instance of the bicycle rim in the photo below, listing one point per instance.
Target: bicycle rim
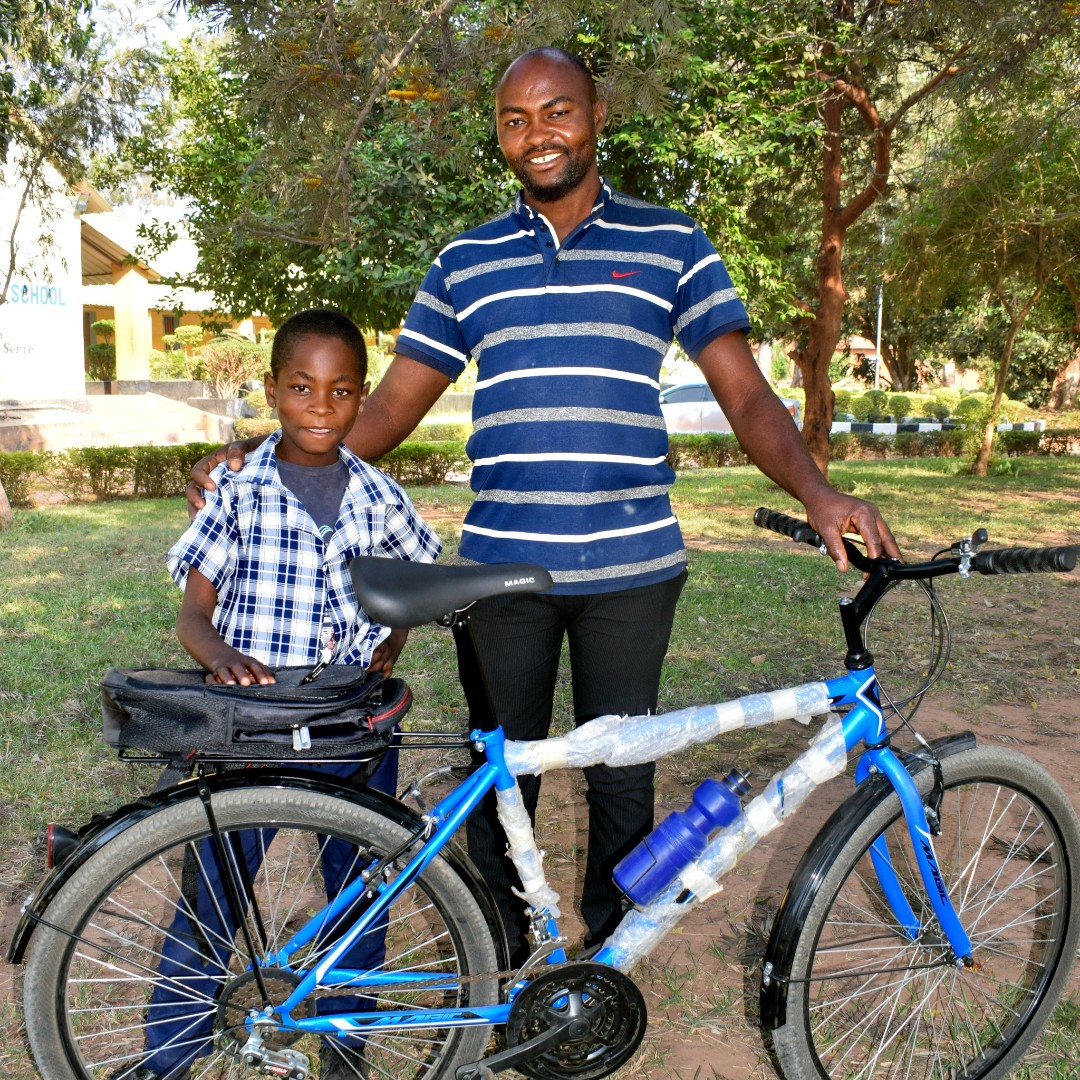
(868, 1002)
(142, 966)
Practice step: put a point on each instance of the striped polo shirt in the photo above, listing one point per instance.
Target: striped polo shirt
(569, 444)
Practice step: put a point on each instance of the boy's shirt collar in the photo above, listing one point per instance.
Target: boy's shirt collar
(260, 466)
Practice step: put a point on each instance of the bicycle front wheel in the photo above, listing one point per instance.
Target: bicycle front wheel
(143, 968)
(865, 1000)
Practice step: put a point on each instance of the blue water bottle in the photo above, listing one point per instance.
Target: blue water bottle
(680, 838)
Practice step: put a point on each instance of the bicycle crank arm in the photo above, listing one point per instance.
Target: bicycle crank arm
(573, 1027)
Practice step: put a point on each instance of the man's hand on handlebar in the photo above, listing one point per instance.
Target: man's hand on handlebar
(234, 453)
(832, 514)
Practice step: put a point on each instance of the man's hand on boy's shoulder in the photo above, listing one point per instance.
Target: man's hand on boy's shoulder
(234, 453)
(387, 651)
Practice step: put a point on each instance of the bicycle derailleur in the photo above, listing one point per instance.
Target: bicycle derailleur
(579, 1020)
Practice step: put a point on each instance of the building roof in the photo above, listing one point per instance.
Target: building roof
(101, 252)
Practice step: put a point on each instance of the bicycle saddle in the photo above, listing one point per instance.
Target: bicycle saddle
(404, 594)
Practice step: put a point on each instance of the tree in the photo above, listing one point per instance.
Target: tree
(328, 164)
(884, 74)
(1007, 205)
(68, 83)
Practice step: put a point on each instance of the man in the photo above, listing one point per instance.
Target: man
(568, 303)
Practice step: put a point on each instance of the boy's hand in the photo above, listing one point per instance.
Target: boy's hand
(239, 670)
(387, 651)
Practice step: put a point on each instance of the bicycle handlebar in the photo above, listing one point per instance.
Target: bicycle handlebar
(1013, 560)
(1018, 560)
(803, 533)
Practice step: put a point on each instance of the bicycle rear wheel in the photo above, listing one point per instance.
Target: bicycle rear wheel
(140, 965)
(866, 1001)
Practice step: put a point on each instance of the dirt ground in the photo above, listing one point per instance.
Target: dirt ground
(701, 983)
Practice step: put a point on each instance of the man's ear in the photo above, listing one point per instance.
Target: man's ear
(270, 389)
(599, 114)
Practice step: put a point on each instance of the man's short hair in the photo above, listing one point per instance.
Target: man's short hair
(555, 52)
(323, 322)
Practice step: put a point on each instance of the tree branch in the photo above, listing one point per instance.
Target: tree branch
(377, 90)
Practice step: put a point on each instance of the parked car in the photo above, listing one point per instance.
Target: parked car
(690, 408)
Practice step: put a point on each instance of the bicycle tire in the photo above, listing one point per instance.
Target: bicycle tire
(97, 957)
(864, 1001)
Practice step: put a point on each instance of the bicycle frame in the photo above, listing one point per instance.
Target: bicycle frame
(641, 928)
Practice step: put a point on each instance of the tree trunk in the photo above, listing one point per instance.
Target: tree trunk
(5, 508)
(824, 323)
(824, 328)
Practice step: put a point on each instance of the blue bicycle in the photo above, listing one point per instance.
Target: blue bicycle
(928, 931)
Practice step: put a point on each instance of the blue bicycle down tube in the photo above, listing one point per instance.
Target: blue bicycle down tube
(460, 802)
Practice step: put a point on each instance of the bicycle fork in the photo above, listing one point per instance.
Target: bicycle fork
(865, 723)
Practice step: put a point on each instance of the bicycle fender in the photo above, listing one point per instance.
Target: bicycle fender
(96, 833)
(813, 867)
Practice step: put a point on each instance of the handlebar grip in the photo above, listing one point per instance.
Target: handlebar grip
(786, 526)
(1018, 560)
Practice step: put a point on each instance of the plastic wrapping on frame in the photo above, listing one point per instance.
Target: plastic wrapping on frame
(526, 856)
(643, 928)
(633, 740)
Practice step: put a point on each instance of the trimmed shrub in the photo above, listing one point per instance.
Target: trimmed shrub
(451, 432)
(424, 463)
(947, 396)
(231, 363)
(862, 408)
(1060, 441)
(247, 426)
(708, 451)
(18, 471)
(899, 406)
(101, 361)
(159, 472)
(106, 472)
(972, 409)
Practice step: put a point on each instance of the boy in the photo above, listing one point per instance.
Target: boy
(264, 566)
(264, 569)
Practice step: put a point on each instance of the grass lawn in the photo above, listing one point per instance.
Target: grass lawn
(83, 588)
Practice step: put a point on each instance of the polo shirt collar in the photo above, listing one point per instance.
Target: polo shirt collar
(528, 215)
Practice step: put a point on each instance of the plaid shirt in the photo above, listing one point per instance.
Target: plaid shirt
(275, 578)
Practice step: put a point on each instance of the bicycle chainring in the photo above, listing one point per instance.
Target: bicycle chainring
(608, 1002)
(242, 994)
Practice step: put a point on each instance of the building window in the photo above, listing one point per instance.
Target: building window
(168, 327)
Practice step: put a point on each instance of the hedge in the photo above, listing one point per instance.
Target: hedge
(154, 472)
(107, 472)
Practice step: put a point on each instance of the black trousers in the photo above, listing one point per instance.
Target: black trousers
(617, 644)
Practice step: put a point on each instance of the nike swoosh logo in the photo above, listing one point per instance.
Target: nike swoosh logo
(624, 273)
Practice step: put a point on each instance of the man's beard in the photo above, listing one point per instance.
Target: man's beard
(577, 168)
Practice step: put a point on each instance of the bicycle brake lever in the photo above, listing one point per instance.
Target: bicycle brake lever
(966, 549)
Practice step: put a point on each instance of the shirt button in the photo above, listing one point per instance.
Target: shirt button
(550, 244)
